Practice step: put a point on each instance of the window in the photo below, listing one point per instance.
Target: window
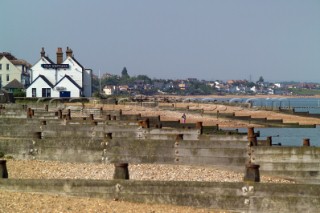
(0, 66)
(8, 66)
(8, 77)
(34, 92)
(46, 92)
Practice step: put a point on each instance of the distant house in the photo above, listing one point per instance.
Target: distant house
(123, 87)
(253, 89)
(182, 86)
(12, 68)
(66, 78)
(109, 90)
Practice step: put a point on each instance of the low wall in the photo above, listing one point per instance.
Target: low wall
(244, 197)
(299, 163)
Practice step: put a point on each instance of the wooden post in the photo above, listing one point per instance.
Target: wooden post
(29, 113)
(59, 114)
(252, 138)
(252, 173)
(69, 115)
(199, 126)
(306, 142)
(3, 169)
(121, 171)
(269, 141)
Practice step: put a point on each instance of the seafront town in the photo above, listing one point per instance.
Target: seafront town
(62, 93)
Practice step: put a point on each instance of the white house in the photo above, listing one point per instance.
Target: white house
(66, 78)
(12, 69)
(109, 90)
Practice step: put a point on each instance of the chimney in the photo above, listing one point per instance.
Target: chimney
(59, 55)
(42, 53)
(69, 52)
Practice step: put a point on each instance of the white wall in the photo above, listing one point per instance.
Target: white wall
(37, 70)
(39, 84)
(74, 91)
(13, 72)
(74, 71)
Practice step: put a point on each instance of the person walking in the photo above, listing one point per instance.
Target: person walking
(184, 118)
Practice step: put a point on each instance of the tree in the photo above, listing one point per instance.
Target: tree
(124, 73)
(261, 80)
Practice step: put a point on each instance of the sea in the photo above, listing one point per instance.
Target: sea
(283, 136)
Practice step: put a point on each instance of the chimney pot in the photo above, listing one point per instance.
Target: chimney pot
(69, 52)
(42, 53)
(59, 55)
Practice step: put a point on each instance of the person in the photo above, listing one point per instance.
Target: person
(184, 117)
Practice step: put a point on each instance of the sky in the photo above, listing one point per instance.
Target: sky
(171, 39)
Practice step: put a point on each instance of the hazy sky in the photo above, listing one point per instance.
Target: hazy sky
(204, 39)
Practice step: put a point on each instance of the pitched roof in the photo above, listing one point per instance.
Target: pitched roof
(70, 79)
(9, 56)
(48, 59)
(43, 78)
(14, 84)
(77, 62)
(21, 62)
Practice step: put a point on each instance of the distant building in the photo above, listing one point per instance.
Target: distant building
(66, 78)
(12, 68)
(182, 85)
(123, 87)
(109, 90)
(13, 86)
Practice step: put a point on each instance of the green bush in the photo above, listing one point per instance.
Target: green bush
(19, 93)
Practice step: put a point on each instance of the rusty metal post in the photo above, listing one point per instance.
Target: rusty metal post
(37, 135)
(69, 114)
(144, 123)
(217, 127)
(109, 135)
(59, 114)
(108, 117)
(306, 142)
(43, 122)
(179, 137)
(91, 117)
(252, 138)
(29, 113)
(46, 108)
(121, 171)
(217, 114)
(114, 117)
(3, 169)
(199, 126)
(269, 141)
(252, 173)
